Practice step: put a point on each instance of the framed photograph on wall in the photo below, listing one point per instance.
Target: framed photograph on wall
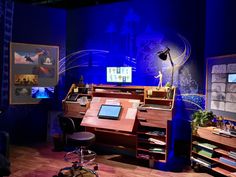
(33, 72)
(221, 85)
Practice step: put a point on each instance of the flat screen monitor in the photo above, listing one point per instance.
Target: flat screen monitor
(232, 78)
(119, 74)
(109, 112)
(42, 92)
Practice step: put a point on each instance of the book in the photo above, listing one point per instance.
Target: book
(157, 150)
(203, 162)
(156, 141)
(232, 155)
(205, 153)
(228, 161)
(205, 145)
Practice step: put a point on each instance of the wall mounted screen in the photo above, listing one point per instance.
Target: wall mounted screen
(119, 74)
(42, 92)
(109, 112)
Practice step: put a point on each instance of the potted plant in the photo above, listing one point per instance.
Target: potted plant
(202, 118)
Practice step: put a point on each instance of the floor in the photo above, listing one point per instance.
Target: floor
(42, 161)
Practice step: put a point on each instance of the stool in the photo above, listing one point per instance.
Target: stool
(81, 157)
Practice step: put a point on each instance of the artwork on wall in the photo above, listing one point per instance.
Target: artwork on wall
(33, 72)
(221, 85)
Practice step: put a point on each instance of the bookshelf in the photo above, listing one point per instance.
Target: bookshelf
(154, 124)
(213, 151)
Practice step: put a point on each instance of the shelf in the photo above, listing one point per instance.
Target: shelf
(215, 159)
(149, 142)
(150, 152)
(150, 134)
(221, 151)
(159, 99)
(150, 124)
(221, 171)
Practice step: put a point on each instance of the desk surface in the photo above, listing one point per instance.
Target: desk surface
(124, 123)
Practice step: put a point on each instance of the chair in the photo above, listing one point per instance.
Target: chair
(4, 154)
(80, 156)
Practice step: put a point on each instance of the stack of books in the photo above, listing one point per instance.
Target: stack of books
(203, 162)
(156, 141)
(204, 149)
(232, 154)
(228, 161)
(157, 150)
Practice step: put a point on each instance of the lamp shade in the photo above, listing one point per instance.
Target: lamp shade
(162, 55)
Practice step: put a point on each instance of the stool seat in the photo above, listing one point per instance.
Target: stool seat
(81, 138)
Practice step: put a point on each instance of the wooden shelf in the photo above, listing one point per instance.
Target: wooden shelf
(221, 171)
(149, 142)
(159, 99)
(155, 115)
(223, 146)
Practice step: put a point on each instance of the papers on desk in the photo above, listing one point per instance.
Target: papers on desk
(96, 100)
(131, 113)
(112, 102)
(135, 103)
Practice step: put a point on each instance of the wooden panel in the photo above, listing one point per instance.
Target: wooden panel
(206, 133)
(74, 109)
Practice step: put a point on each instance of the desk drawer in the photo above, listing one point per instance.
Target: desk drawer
(152, 114)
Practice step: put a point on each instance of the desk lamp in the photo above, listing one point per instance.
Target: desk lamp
(163, 56)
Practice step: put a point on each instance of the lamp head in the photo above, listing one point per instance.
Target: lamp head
(163, 54)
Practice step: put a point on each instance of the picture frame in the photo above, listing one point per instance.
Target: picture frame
(33, 72)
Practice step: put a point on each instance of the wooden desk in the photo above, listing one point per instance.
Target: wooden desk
(127, 117)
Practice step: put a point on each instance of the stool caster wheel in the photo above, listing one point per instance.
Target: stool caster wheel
(60, 174)
(95, 168)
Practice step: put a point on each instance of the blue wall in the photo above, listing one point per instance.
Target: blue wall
(220, 28)
(34, 25)
(133, 32)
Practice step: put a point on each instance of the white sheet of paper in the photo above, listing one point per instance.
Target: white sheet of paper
(131, 113)
(135, 103)
(95, 100)
(112, 102)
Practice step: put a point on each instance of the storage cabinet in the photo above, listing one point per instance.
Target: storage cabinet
(154, 124)
(214, 152)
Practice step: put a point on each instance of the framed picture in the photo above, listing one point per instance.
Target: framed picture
(221, 85)
(33, 72)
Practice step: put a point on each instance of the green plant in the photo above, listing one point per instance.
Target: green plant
(168, 84)
(202, 118)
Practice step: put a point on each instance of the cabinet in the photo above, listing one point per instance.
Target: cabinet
(154, 124)
(214, 152)
(77, 101)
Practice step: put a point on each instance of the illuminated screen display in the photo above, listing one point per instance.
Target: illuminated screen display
(232, 78)
(109, 112)
(42, 92)
(119, 74)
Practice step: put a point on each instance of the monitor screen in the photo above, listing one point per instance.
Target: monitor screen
(232, 78)
(109, 112)
(42, 92)
(119, 74)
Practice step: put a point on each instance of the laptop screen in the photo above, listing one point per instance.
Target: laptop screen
(109, 112)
